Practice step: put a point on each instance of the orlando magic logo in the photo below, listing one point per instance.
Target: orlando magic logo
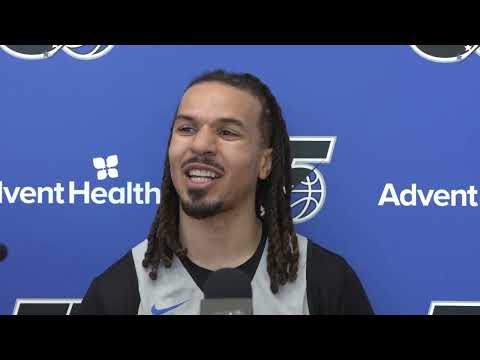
(308, 185)
(40, 52)
(445, 53)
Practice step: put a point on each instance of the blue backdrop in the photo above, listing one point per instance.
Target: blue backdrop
(398, 118)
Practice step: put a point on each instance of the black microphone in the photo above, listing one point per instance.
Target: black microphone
(227, 292)
(3, 252)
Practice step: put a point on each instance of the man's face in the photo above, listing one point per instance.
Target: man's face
(216, 153)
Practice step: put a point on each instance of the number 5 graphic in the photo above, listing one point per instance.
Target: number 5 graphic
(305, 152)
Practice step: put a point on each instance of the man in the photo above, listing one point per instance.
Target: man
(226, 204)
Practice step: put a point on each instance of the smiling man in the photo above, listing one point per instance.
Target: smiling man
(226, 204)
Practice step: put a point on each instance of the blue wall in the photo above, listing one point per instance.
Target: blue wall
(398, 118)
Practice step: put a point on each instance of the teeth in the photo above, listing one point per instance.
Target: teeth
(200, 180)
(202, 173)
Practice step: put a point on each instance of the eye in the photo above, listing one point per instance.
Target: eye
(186, 129)
(227, 133)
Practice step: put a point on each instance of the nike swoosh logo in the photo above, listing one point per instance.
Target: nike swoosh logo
(162, 311)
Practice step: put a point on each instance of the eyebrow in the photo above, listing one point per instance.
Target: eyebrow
(223, 120)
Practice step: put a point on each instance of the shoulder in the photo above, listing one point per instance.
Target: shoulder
(115, 291)
(120, 272)
(333, 286)
(322, 260)
(319, 259)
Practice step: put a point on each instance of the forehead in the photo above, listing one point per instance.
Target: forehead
(212, 100)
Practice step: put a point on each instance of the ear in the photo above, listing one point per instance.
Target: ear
(265, 164)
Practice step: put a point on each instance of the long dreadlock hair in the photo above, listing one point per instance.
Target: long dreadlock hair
(272, 202)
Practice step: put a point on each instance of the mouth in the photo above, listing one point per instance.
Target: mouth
(201, 177)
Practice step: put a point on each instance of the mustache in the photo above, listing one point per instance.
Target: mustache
(201, 159)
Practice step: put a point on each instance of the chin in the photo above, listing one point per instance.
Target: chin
(201, 210)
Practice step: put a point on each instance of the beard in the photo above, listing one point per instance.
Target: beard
(198, 208)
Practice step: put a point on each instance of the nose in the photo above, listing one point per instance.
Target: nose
(204, 141)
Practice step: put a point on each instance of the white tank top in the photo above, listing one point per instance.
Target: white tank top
(176, 293)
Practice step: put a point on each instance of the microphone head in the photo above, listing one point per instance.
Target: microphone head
(227, 283)
(3, 252)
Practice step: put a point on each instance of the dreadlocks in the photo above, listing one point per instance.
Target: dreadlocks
(272, 200)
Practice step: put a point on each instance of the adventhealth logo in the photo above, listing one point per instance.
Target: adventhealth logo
(106, 167)
(85, 193)
(413, 196)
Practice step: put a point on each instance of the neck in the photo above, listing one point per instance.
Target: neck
(226, 240)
